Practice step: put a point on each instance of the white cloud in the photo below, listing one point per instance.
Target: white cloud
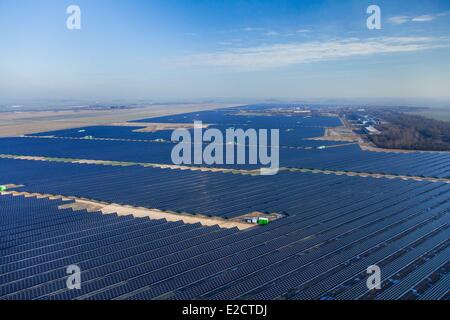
(250, 29)
(271, 33)
(279, 55)
(397, 20)
(303, 31)
(424, 18)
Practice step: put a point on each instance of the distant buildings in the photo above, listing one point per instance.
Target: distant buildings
(367, 123)
(371, 130)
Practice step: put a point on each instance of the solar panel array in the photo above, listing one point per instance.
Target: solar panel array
(320, 256)
(334, 227)
(296, 150)
(208, 193)
(295, 137)
(232, 117)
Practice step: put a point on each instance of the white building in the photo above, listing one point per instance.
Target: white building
(371, 130)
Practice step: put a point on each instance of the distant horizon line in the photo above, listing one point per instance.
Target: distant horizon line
(83, 102)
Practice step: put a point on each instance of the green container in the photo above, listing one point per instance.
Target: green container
(263, 221)
(3, 188)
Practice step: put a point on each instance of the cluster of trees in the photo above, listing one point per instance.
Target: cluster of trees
(404, 131)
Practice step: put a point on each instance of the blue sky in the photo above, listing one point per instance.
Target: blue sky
(188, 49)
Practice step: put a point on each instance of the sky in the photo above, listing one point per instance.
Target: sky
(224, 49)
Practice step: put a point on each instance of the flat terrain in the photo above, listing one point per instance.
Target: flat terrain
(109, 199)
(442, 114)
(339, 134)
(20, 123)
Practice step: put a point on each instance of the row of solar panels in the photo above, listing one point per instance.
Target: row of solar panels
(344, 158)
(292, 137)
(295, 258)
(233, 117)
(207, 193)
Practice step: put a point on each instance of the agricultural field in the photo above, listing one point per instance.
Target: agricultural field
(442, 114)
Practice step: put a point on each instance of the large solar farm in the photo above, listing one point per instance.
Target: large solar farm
(109, 199)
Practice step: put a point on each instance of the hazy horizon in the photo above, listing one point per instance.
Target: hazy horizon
(368, 102)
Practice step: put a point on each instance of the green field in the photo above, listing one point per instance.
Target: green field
(435, 113)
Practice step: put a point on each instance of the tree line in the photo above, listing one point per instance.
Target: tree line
(411, 132)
